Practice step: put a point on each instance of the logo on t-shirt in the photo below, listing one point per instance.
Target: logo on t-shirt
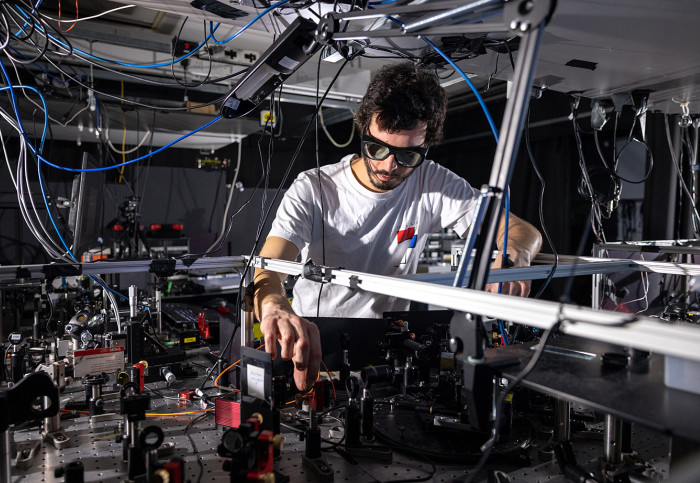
(409, 234)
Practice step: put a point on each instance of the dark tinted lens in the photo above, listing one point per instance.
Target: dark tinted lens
(376, 151)
(408, 158)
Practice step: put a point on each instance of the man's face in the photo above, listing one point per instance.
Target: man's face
(387, 174)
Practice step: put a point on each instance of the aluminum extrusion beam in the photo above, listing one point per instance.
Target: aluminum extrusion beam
(574, 267)
(533, 272)
(672, 268)
(481, 28)
(662, 246)
(10, 272)
(635, 331)
(448, 5)
(454, 15)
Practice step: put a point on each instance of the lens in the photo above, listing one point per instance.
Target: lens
(408, 158)
(376, 151)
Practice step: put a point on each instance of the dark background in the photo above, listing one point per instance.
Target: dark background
(173, 190)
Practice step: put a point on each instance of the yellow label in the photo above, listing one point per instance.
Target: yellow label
(509, 397)
(267, 118)
(190, 339)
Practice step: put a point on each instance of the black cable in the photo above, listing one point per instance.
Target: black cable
(320, 188)
(541, 209)
(267, 214)
(148, 160)
(487, 447)
(651, 161)
(185, 62)
(194, 446)
(48, 326)
(600, 151)
(136, 103)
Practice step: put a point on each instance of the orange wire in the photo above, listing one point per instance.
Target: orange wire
(329, 377)
(294, 400)
(59, 16)
(160, 415)
(229, 367)
(74, 411)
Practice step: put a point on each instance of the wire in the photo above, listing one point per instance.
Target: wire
(78, 53)
(232, 189)
(487, 113)
(651, 161)
(102, 14)
(488, 446)
(330, 138)
(676, 165)
(596, 216)
(295, 155)
(59, 17)
(140, 158)
(245, 27)
(184, 413)
(329, 377)
(194, 446)
(540, 207)
(136, 148)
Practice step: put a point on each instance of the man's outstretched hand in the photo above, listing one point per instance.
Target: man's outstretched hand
(299, 341)
(520, 287)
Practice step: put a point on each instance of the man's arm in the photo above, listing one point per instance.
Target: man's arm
(299, 339)
(524, 242)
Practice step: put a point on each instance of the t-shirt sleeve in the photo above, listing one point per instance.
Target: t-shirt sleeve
(454, 200)
(295, 215)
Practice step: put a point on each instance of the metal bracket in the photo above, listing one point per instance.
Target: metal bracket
(57, 439)
(318, 273)
(164, 267)
(523, 16)
(26, 453)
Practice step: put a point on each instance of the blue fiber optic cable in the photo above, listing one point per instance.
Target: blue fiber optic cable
(245, 27)
(487, 113)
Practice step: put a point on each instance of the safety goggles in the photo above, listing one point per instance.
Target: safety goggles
(377, 150)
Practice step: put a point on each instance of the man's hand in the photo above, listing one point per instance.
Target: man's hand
(299, 341)
(521, 287)
(524, 242)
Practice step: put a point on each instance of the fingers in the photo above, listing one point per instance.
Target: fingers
(307, 355)
(288, 335)
(299, 341)
(268, 326)
(285, 328)
(519, 288)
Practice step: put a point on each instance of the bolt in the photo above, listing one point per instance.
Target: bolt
(526, 7)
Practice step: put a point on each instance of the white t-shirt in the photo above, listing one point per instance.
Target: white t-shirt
(379, 233)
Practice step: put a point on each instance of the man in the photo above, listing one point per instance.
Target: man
(371, 213)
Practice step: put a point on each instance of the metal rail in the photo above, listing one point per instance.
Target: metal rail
(640, 332)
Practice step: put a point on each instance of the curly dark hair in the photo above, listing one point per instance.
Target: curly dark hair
(402, 95)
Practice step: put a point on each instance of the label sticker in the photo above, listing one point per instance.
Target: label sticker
(256, 381)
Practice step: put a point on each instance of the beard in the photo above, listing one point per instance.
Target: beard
(372, 174)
